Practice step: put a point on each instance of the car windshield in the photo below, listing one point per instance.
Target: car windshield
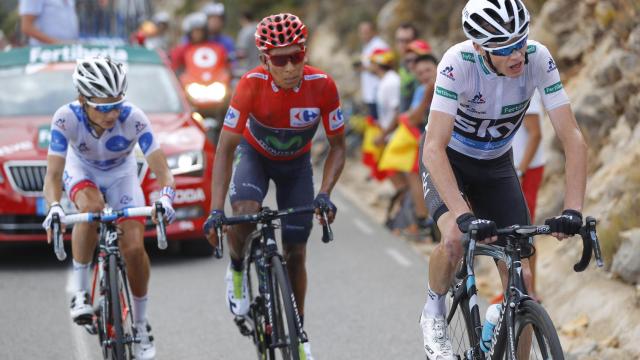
(41, 91)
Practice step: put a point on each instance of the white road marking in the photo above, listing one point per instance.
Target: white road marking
(363, 226)
(84, 345)
(399, 258)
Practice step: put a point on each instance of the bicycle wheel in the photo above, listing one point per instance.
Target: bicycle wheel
(118, 340)
(257, 313)
(287, 333)
(535, 333)
(460, 328)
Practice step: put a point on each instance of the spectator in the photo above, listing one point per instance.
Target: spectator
(405, 34)
(368, 80)
(160, 39)
(215, 25)
(528, 157)
(246, 51)
(49, 21)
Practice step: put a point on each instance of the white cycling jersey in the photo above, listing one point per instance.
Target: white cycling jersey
(70, 129)
(106, 161)
(489, 108)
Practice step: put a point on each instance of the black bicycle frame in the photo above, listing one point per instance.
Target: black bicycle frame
(263, 249)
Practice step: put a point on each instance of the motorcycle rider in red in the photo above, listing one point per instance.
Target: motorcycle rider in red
(194, 26)
(274, 113)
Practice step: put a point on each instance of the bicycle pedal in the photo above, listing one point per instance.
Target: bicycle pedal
(92, 329)
(245, 325)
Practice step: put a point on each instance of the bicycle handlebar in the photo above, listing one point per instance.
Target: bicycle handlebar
(590, 241)
(105, 217)
(266, 215)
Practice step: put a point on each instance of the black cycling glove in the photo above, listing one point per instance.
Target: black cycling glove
(568, 223)
(322, 201)
(485, 228)
(216, 219)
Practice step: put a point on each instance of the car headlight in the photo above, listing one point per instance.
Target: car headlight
(212, 92)
(186, 162)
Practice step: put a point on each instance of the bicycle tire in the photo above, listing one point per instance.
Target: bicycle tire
(545, 344)
(257, 313)
(284, 310)
(118, 343)
(461, 326)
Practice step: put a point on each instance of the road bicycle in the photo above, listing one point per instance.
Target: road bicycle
(110, 295)
(524, 329)
(273, 321)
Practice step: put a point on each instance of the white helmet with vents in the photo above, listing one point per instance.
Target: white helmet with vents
(100, 77)
(196, 20)
(495, 22)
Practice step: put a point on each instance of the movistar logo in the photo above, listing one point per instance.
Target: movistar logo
(274, 142)
(553, 88)
(446, 93)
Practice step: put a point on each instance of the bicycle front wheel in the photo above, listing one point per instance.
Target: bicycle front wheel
(535, 334)
(286, 334)
(461, 328)
(118, 338)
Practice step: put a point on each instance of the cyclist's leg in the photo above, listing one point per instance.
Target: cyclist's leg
(249, 186)
(498, 197)
(294, 188)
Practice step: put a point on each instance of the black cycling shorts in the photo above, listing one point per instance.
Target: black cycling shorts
(294, 187)
(491, 188)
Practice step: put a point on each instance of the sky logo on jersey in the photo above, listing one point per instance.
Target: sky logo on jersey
(478, 99)
(117, 143)
(231, 118)
(336, 119)
(303, 117)
(552, 65)
(448, 72)
(58, 141)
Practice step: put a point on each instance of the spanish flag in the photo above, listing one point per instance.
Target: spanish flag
(401, 152)
(370, 151)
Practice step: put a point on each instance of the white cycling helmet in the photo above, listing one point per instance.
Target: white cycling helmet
(100, 77)
(197, 20)
(495, 22)
(213, 9)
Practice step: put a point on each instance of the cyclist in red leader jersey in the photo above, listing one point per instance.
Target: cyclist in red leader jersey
(273, 115)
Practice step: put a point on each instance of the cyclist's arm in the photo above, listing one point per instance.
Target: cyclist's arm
(30, 29)
(158, 164)
(531, 123)
(335, 162)
(55, 167)
(435, 159)
(222, 167)
(575, 150)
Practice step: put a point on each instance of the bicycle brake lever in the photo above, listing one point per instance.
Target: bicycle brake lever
(218, 250)
(591, 224)
(56, 233)
(587, 247)
(161, 231)
(327, 234)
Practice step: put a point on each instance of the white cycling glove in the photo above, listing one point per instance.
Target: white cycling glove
(55, 208)
(166, 199)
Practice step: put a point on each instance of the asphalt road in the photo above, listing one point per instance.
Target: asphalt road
(366, 291)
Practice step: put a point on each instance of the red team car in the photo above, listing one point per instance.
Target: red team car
(37, 80)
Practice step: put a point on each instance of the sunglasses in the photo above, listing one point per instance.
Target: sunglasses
(106, 108)
(283, 60)
(509, 49)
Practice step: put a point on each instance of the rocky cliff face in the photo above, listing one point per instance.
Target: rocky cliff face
(596, 45)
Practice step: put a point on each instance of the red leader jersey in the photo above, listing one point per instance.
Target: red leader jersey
(280, 123)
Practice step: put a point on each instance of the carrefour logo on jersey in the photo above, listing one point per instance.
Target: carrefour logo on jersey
(72, 52)
(336, 119)
(303, 117)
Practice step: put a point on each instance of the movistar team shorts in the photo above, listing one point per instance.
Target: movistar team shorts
(294, 187)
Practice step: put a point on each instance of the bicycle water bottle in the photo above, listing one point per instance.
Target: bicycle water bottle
(491, 319)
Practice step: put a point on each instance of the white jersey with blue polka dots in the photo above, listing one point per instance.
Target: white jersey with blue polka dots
(71, 131)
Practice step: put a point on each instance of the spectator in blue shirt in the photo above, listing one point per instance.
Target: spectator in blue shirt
(49, 21)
